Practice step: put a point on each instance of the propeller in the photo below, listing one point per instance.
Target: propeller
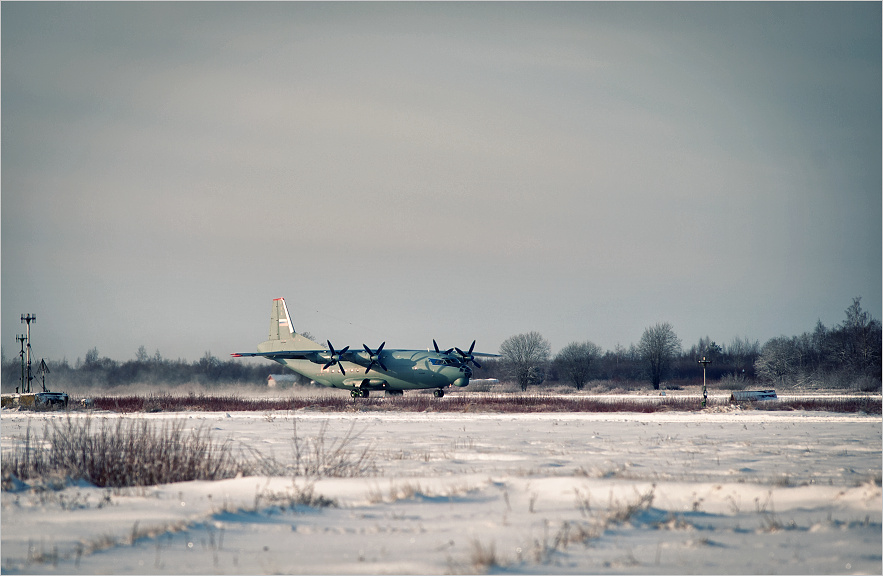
(335, 358)
(467, 356)
(448, 351)
(374, 357)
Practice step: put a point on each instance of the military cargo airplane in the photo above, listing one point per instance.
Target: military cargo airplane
(361, 371)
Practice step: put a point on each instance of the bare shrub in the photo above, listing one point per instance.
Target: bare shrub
(321, 457)
(133, 453)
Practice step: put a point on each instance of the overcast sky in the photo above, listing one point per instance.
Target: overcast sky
(402, 172)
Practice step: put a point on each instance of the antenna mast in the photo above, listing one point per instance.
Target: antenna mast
(44, 369)
(22, 338)
(28, 319)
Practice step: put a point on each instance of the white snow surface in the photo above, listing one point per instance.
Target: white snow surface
(717, 492)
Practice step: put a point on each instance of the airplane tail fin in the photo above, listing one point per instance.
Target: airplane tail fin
(282, 334)
(280, 322)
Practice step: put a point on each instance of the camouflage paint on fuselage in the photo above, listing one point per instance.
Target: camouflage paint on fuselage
(361, 370)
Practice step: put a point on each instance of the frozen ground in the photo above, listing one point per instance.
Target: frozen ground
(714, 492)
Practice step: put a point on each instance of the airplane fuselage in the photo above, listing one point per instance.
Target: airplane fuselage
(405, 370)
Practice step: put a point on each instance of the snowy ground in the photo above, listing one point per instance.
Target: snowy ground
(713, 492)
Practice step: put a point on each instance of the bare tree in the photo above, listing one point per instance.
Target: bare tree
(779, 359)
(658, 345)
(858, 346)
(525, 357)
(92, 358)
(577, 361)
(743, 352)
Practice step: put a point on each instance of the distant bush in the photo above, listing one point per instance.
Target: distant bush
(210, 403)
(732, 382)
(866, 384)
(515, 403)
(505, 403)
(825, 404)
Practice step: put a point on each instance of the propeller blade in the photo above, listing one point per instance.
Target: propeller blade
(467, 357)
(335, 357)
(374, 357)
(448, 351)
(371, 365)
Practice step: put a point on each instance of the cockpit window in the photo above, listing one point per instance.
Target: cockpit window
(443, 362)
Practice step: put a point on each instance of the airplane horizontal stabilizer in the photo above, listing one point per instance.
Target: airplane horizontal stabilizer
(311, 355)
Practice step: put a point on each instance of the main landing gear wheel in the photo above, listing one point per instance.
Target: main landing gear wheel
(359, 393)
(439, 393)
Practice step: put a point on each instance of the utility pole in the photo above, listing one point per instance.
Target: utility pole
(28, 319)
(704, 363)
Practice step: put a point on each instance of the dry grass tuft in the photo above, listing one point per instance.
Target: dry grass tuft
(143, 453)
(130, 453)
(482, 557)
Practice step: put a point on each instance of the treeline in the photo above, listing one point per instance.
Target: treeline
(846, 356)
(734, 361)
(98, 372)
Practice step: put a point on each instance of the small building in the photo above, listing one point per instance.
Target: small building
(35, 400)
(281, 380)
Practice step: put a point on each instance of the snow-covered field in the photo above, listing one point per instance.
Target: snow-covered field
(725, 491)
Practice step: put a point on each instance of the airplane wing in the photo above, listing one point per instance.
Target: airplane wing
(312, 355)
(320, 356)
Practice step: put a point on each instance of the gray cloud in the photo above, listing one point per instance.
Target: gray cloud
(434, 170)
